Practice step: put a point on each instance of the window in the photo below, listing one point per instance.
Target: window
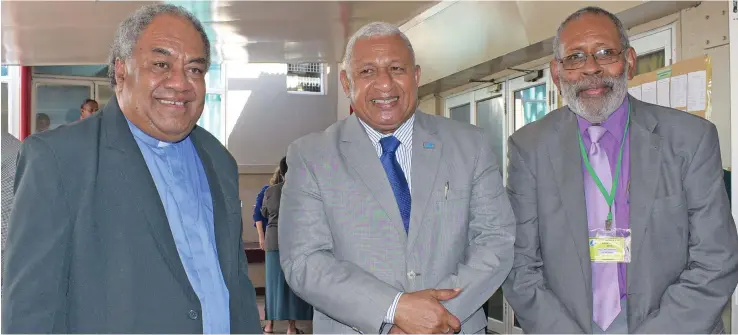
(530, 105)
(213, 115)
(10, 100)
(305, 78)
(655, 48)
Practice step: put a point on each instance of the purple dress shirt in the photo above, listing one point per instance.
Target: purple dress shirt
(610, 142)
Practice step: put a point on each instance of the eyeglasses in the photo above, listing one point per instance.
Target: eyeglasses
(601, 57)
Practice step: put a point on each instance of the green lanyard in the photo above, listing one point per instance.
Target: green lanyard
(609, 197)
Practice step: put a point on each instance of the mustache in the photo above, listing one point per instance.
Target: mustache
(591, 82)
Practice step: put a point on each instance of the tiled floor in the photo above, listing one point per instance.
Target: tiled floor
(280, 327)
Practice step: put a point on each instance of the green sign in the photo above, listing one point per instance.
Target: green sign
(663, 73)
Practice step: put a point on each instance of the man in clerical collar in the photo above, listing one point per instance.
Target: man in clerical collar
(129, 221)
(624, 224)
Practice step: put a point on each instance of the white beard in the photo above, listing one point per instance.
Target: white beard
(595, 110)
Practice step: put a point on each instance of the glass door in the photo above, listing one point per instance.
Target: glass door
(57, 102)
(485, 108)
(459, 108)
(529, 102)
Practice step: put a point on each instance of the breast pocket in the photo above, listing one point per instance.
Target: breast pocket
(452, 211)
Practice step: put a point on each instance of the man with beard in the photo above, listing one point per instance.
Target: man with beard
(624, 224)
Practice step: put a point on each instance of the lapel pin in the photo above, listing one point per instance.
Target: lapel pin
(428, 145)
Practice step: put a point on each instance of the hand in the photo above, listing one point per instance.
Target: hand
(422, 313)
(395, 330)
(261, 243)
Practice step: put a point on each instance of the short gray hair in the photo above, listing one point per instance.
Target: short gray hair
(374, 29)
(624, 42)
(131, 28)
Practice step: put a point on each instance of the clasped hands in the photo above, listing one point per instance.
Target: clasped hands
(421, 312)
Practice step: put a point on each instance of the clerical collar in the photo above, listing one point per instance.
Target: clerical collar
(146, 138)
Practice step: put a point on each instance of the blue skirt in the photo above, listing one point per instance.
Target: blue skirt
(281, 303)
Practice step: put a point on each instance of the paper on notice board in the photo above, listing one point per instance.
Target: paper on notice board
(696, 91)
(635, 91)
(662, 90)
(648, 92)
(679, 91)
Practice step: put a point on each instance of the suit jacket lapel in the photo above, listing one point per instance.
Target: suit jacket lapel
(645, 163)
(137, 183)
(220, 214)
(566, 160)
(425, 164)
(359, 153)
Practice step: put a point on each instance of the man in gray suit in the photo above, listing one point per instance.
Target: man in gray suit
(10, 147)
(609, 186)
(129, 221)
(392, 219)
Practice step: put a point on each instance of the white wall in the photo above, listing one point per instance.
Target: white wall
(265, 118)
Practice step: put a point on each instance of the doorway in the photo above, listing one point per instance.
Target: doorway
(501, 109)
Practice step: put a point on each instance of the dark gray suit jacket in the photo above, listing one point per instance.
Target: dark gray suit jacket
(89, 245)
(684, 242)
(270, 209)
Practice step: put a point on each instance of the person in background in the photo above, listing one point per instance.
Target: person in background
(260, 222)
(43, 122)
(130, 221)
(10, 148)
(624, 224)
(88, 108)
(393, 219)
(283, 304)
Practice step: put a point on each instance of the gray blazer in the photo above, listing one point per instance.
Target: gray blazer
(10, 147)
(89, 245)
(270, 209)
(342, 244)
(684, 242)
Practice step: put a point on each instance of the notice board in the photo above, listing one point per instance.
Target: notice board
(685, 85)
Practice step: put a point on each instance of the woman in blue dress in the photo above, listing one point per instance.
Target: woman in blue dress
(260, 222)
(281, 302)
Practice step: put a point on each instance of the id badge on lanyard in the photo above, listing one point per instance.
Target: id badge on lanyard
(611, 244)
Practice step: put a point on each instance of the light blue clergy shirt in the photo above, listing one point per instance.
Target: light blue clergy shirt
(184, 191)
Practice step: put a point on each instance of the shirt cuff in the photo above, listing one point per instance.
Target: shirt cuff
(390, 317)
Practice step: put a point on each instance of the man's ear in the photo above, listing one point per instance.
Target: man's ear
(632, 59)
(120, 73)
(345, 83)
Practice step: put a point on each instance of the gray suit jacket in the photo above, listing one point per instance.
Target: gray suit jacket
(89, 245)
(684, 242)
(270, 210)
(342, 243)
(10, 147)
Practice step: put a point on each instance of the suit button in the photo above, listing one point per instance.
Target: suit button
(412, 274)
(192, 314)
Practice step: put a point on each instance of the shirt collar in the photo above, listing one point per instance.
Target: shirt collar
(404, 133)
(146, 138)
(615, 123)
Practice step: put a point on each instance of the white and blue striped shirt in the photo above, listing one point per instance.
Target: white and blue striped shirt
(404, 155)
(404, 152)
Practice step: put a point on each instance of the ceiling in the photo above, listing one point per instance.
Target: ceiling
(80, 32)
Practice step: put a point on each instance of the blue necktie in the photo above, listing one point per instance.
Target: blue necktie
(396, 177)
